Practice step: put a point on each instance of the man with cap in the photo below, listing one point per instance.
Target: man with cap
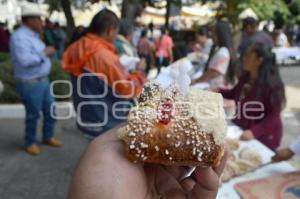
(252, 35)
(31, 63)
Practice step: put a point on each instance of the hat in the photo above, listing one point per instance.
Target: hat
(248, 13)
(31, 9)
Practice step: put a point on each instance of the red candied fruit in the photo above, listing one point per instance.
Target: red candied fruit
(165, 111)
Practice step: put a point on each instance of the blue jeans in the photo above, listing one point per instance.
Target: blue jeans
(36, 97)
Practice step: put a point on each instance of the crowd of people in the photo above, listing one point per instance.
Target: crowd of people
(52, 34)
(110, 47)
(101, 53)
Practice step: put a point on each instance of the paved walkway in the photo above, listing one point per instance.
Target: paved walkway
(291, 115)
(48, 175)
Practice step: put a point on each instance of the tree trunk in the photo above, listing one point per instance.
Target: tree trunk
(168, 9)
(66, 6)
(232, 11)
(131, 9)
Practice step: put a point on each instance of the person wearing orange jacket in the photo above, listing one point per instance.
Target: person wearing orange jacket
(102, 87)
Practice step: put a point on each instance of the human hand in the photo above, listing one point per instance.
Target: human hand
(247, 135)
(49, 50)
(282, 155)
(105, 172)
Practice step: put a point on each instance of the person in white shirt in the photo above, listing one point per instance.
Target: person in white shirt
(220, 70)
(281, 39)
(288, 152)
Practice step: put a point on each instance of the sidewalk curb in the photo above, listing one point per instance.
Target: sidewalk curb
(64, 110)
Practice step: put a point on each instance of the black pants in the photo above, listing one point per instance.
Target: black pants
(148, 61)
(165, 61)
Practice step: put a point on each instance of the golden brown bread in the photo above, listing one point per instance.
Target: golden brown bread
(172, 144)
(169, 140)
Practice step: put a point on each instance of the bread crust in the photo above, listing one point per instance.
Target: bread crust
(162, 130)
(176, 144)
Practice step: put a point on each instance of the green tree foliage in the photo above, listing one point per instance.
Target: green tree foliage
(9, 94)
(283, 11)
(294, 7)
(265, 9)
(64, 5)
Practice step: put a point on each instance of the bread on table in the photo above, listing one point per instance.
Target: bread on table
(231, 169)
(233, 144)
(240, 160)
(251, 155)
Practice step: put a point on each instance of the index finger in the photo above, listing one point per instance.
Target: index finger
(219, 169)
(207, 180)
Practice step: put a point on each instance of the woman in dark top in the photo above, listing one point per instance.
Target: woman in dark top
(260, 97)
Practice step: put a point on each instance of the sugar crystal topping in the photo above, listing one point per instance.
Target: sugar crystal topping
(196, 115)
(209, 113)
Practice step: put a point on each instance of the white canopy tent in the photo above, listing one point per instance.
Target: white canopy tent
(196, 13)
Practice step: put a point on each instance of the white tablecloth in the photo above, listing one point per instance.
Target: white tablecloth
(283, 54)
